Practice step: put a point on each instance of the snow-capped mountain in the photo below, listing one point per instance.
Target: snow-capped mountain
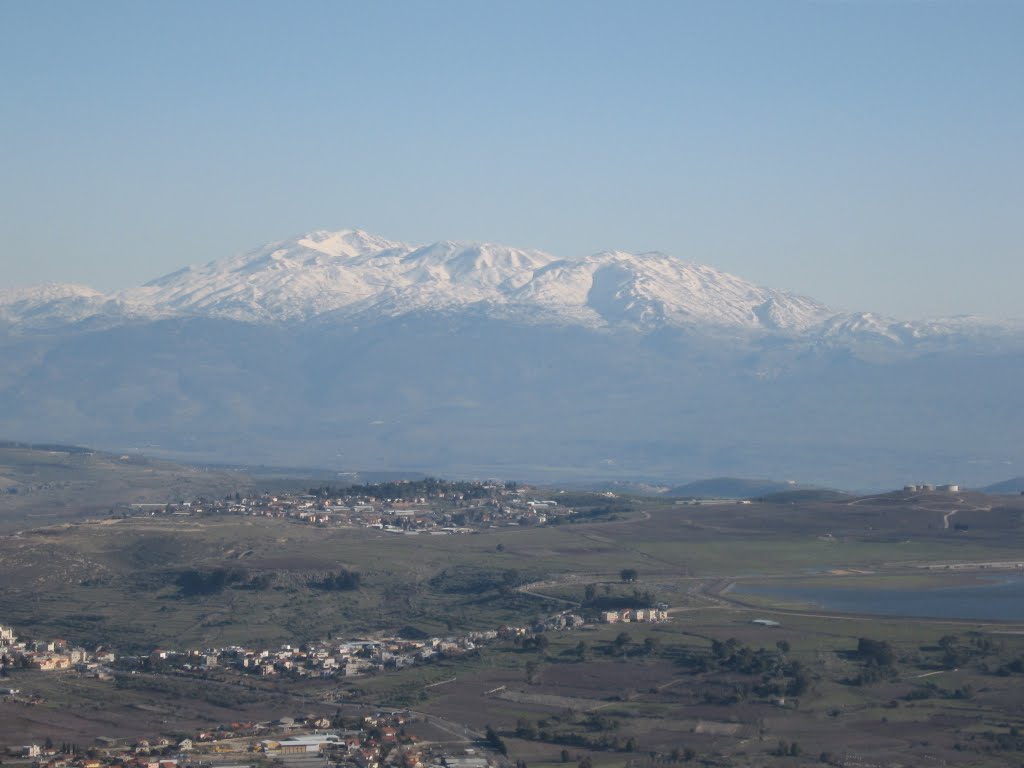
(348, 350)
(351, 273)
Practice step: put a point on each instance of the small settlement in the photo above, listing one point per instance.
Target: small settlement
(323, 659)
(52, 655)
(374, 740)
(400, 507)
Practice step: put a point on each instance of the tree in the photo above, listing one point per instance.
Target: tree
(581, 651)
(541, 642)
(878, 651)
(589, 592)
(495, 741)
(650, 645)
(525, 729)
(628, 575)
(801, 681)
(723, 650)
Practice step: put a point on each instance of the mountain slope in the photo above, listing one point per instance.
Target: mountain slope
(349, 273)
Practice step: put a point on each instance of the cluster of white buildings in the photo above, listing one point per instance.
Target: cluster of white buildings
(630, 615)
(50, 655)
(330, 659)
(442, 514)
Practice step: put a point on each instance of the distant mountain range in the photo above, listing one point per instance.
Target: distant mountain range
(1013, 486)
(353, 276)
(345, 349)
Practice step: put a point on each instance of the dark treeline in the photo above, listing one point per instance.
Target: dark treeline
(408, 489)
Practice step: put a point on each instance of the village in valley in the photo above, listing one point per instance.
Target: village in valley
(406, 507)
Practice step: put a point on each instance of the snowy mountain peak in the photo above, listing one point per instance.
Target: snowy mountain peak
(347, 243)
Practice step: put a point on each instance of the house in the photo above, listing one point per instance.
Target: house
(50, 663)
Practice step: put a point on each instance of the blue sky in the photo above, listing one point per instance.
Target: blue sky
(869, 154)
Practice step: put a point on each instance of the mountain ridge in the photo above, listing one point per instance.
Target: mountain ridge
(345, 349)
(352, 275)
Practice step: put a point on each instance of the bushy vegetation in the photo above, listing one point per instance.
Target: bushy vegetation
(192, 583)
(342, 581)
(468, 580)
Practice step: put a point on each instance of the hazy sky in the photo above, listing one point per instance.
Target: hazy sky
(869, 154)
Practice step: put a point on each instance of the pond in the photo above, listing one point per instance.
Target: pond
(998, 598)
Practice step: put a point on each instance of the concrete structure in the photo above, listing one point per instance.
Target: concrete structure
(300, 745)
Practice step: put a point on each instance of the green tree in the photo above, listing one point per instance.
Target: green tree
(581, 650)
(621, 641)
(495, 741)
(525, 729)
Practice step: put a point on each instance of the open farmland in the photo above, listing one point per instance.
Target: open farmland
(710, 680)
(45, 485)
